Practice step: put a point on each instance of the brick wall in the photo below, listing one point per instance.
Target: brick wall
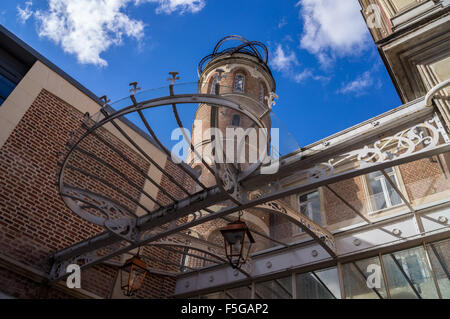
(34, 221)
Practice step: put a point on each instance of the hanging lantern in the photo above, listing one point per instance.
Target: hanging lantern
(132, 275)
(238, 241)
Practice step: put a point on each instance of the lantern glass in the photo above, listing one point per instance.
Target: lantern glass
(132, 275)
(238, 241)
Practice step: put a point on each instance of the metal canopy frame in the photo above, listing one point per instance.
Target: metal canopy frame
(252, 48)
(362, 150)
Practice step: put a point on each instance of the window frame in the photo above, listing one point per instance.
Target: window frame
(297, 231)
(233, 117)
(262, 92)
(212, 89)
(238, 74)
(368, 192)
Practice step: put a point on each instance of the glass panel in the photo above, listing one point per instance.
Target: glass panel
(213, 86)
(392, 194)
(274, 289)
(310, 207)
(440, 258)
(236, 120)
(239, 293)
(215, 295)
(322, 284)
(239, 83)
(330, 278)
(6, 87)
(409, 275)
(363, 279)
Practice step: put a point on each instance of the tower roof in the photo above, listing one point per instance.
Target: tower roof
(254, 48)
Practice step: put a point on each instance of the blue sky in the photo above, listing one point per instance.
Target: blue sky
(329, 74)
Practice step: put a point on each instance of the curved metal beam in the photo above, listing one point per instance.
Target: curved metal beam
(322, 236)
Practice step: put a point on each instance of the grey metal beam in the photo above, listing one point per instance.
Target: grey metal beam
(160, 217)
(195, 203)
(147, 221)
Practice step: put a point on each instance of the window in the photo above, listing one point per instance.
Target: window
(382, 193)
(310, 206)
(261, 93)
(239, 83)
(6, 87)
(236, 120)
(213, 86)
(11, 72)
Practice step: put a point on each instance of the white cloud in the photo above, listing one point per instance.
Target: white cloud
(305, 74)
(282, 23)
(170, 6)
(309, 74)
(25, 13)
(87, 28)
(283, 61)
(358, 85)
(332, 28)
(286, 62)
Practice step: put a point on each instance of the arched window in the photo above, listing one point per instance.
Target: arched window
(236, 120)
(213, 86)
(239, 83)
(261, 93)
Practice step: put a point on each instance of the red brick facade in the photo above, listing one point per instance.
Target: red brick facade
(34, 221)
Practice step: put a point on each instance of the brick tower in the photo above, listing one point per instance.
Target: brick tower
(242, 75)
(239, 73)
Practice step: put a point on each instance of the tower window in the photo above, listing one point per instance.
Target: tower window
(239, 81)
(261, 93)
(213, 86)
(236, 120)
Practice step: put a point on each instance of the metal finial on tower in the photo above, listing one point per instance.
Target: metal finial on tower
(254, 48)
